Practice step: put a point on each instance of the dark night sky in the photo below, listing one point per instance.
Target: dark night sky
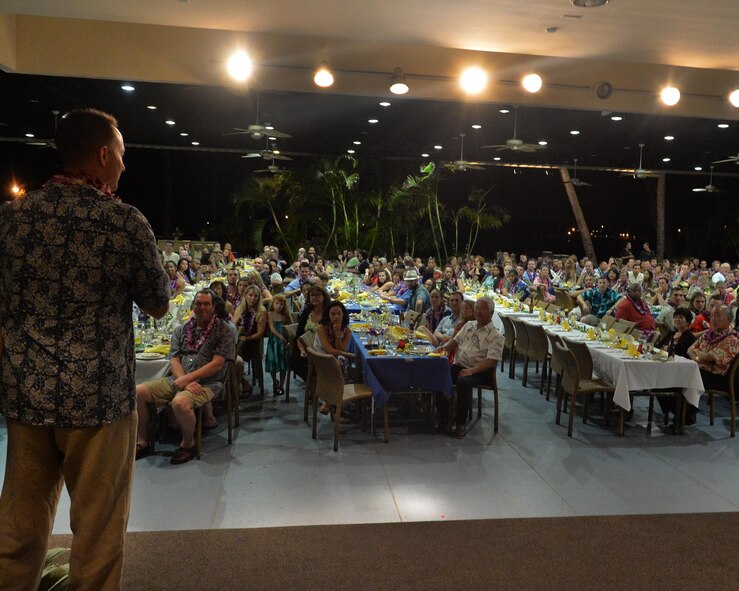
(188, 189)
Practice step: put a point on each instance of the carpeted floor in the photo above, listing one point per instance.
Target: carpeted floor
(632, 552)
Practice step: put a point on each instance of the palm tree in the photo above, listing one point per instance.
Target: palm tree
(481, 215)
(340, 178)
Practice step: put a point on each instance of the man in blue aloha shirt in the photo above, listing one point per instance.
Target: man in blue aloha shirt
(597, 302)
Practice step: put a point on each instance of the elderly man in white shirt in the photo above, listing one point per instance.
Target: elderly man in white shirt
(479, 347)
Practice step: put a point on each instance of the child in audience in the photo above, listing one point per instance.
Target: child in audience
(276, 360)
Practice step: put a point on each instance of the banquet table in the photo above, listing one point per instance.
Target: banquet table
(151, 369)
(630, 374)
(397, 372)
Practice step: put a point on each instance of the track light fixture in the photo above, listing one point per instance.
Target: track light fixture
(399, 85)
(323, 76)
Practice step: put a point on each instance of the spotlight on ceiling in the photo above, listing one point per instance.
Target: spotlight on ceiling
(532, 83)
(473, 80)
(589, 3)
(239, 66)
(323, 76)
(476, 126)
(399, 85)
(734, 98)
(128, 88)
(670, 96)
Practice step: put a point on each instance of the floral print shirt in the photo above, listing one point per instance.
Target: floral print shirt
(73, 262)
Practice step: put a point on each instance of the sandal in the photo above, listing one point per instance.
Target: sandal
(246, 389)
(324, 410)
(182, 455)
(207, 428)
(142, 451)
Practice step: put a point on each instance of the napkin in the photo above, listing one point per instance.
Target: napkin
(377, 352)
(434, 354)
(163, 349)
(421, 335)
(360, 326)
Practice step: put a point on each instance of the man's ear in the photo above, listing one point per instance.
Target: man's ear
(102, 155)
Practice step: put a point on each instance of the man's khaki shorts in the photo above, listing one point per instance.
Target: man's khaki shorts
(163, 393)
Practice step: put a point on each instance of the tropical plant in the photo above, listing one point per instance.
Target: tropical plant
(481, 215)
(54, 576)
(340, 179)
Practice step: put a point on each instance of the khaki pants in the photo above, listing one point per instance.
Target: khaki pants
(97, 465)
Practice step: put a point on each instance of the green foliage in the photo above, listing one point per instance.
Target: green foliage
(327, 206)
(54, 576)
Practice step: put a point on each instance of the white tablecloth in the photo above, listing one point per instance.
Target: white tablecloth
(151, 369)
(631, 375)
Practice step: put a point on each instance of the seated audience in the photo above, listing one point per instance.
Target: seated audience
(633, 308)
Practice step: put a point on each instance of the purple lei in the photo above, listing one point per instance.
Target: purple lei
(639, 304)
(82, 178)
(204, 334)
(713, 336)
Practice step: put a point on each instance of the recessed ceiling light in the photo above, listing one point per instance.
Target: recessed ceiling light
(496, 158)
(357, 143)
(734, 98)
(698, 168)
(184, 134)
(272, 138)
(127, 88)
(617, 118)
(669, 138)
(384, 104)
(542, 143)
(30, 135)
(504, 111)
(373, 121)
(574, 132)
(350, 151)
(195, 143)
(665, 159)
(169, 122)
(424, 155)
(151, 107)
(438, 147)
(723, 125)
(269, 127)
(589, 3)
(476, 126)
(275, 151)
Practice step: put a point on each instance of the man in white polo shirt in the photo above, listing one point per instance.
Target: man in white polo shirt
(479, 347)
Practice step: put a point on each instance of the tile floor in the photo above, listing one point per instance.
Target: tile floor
(275, 474)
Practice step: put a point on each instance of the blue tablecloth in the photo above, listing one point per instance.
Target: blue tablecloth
(387, 374)
(354, 308)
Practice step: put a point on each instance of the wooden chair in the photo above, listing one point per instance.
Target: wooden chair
(538, 350)
(732, 377)
(608, 320)
(584, 365)
(492, 385)
(307, 339)
(291, 331)
(636, 333)
(509, 334)
(623, 326)
(521, 346)
(574, 385)
(330, 384)
(553, 308)
(554, 365)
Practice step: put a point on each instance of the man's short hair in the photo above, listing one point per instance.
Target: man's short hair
(81, 133)
(305, 264)
(489, 301)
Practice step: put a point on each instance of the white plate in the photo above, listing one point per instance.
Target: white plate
(149, 356)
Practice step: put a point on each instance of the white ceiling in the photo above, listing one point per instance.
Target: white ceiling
(690, 33)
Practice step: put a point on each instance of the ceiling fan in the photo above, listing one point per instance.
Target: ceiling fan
(272, 168)
(640, 173)
(514, 144)
(709, 188)
(734, 159)
(576, 182)
(462, 164)
(258, 130)
(267, 153)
